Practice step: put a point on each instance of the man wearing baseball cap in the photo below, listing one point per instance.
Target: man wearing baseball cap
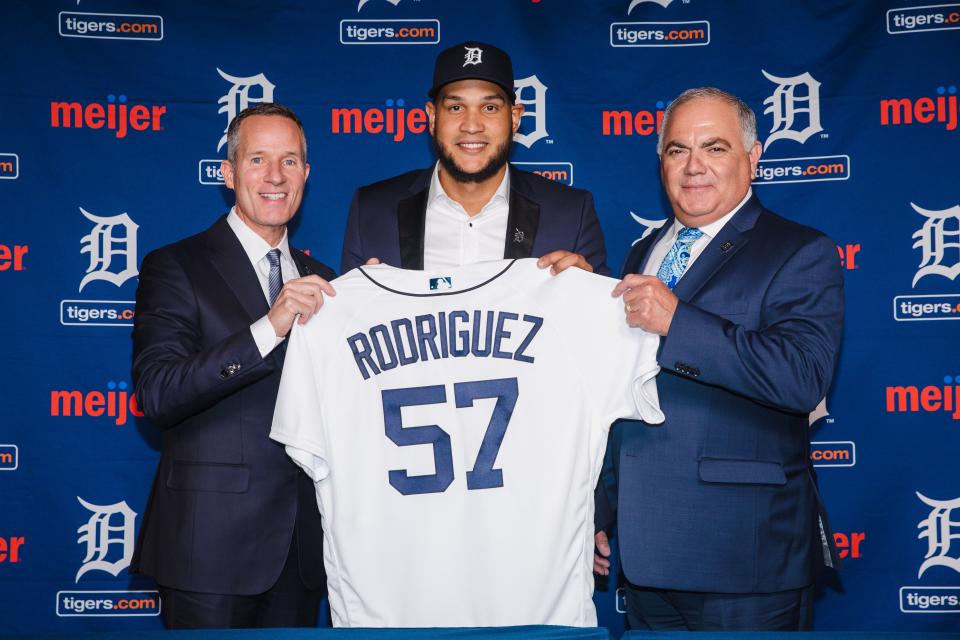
(471, 206)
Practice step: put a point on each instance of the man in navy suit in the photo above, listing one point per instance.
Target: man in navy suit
(719, 519)
(232, 532)
(469, 207)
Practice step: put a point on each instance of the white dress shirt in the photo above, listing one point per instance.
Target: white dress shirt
(256, 249)
(453, 238)
(710, 231)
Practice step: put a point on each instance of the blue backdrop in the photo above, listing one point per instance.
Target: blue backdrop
(112, 116)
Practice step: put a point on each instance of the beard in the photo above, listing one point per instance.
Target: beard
(500, 157)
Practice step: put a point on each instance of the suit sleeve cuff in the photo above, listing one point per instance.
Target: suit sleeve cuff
(264, 336)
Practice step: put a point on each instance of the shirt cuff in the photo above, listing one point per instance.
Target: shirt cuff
(264, 336)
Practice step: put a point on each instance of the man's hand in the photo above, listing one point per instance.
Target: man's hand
(372, 261)
(648, 303)
(562, 260)
(301, 297)
(601, 565)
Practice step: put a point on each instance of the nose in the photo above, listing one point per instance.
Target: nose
(471, 122)
(694, 164)
(274, 173)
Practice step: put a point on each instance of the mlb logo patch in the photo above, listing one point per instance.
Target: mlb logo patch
(443, 282)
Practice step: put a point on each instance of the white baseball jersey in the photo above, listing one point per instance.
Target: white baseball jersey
(454, 424)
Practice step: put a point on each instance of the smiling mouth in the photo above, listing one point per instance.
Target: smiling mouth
(472, 146)
(273, 196)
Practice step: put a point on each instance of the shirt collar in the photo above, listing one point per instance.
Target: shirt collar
(253, 245)
(436, 189)
(711, 230)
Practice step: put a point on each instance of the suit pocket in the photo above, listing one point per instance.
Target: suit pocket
(742, 471)
(208, 476)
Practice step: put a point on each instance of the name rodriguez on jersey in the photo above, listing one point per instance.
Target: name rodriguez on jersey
(454, 334)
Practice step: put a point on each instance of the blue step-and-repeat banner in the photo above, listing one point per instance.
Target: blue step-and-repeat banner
(112, 119)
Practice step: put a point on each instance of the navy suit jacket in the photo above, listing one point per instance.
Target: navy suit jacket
(387, 221)
(721, 497)
(226, 499)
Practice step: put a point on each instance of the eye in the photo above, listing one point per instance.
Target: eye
(256, 160)
(717, 149)
(491, 108)
(291, 162)
(455, 108)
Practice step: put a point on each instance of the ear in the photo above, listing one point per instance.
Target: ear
(226, 168)
(516, 112)
(755, 152)
(431, 116)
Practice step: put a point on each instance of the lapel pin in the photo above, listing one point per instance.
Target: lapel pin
(518, 236)
(726, 246)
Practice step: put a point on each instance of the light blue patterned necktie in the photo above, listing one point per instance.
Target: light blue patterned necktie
(677, 259)
(275, 280)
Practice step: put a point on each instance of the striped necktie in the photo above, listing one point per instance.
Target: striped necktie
(275, 281)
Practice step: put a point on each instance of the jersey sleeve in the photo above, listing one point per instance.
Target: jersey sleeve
(618, 364)
(298, 421)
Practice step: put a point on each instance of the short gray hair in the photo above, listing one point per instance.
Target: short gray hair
(748, 120)
(262, 109)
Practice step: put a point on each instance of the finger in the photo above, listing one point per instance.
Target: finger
(300, 291)
(602, 542)
(293, 302)
(314, 286)
(600, 566)
(548, 260)
(314, 281)
(603, 546)
(564, 263)
(373, 261)
(633, 300)
(308, 299)
(310, 278)
(327, 288)
(629, 281)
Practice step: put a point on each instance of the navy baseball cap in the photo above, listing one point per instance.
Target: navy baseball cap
(473, 60)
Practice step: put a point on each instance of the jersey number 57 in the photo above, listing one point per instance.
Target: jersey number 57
(483, 475)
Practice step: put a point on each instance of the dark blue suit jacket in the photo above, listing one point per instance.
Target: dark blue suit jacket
(226, 499)
(721, 497)
(387, 221)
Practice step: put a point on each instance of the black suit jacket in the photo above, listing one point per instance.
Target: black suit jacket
(387, 221)
(226, 499)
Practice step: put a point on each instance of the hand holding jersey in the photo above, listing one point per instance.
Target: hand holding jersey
(297, 301)
(560, 260)
(648, 303)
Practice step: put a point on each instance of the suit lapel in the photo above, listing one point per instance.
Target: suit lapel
(637, 257)
(411, 215)
(302, 267)
(231, 262)
(732, 238)
(411, 221)
(523, 220)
